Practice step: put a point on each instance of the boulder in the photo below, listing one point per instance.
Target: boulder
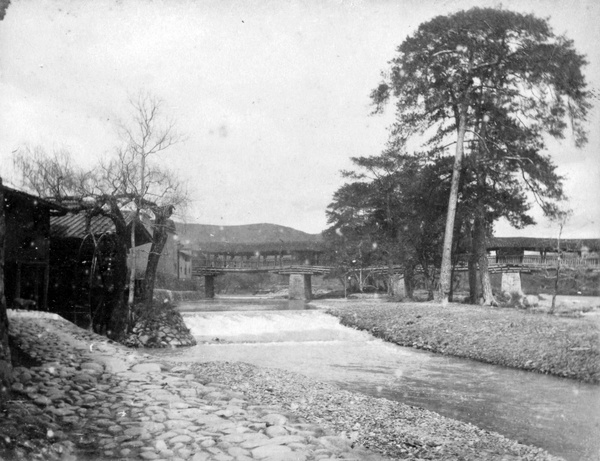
(530, 301)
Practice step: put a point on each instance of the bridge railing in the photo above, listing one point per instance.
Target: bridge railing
(260, 264)
(493, 261)
(546, 261)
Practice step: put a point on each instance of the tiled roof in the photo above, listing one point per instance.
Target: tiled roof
(33, 199)
(253, 248)
(73, 225)
(537, 244)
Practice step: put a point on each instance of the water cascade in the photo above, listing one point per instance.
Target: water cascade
(559, 415)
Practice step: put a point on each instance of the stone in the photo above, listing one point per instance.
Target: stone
(271, 451)
(237, 451)
(43, 400)
(92, 367)
(177, 424)
(281, 440)
(146, 368)
(134, 431)
(275, 431)
(181, 439)
(200, 457)
(274, 419)
(531, 301)
(208, 420)
(113, 364)
(222, 457)
(338, 443)
(114, 429)
(17, 387)
(149, 455)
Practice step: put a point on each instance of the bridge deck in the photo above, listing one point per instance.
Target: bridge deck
(504, 264)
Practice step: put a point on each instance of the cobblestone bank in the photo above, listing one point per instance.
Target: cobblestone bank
(83, 397)
(166, 328)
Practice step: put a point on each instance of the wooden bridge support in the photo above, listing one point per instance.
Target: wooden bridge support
(209, 286)
(300, 287)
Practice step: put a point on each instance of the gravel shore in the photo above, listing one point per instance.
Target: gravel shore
(563, 346)
(393, 429)
(90, 399)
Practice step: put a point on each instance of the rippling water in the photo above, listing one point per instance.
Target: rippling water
(557, 414)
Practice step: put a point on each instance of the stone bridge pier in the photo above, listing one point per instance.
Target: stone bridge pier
(209, 286)
(300, 286)
(511, 283)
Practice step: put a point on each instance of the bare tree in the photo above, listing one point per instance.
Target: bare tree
(126, 183)
(156, 190)
(561, 218)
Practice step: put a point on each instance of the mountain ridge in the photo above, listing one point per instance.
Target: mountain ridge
(194, 233)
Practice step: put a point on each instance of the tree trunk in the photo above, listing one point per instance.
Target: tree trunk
(556, 283)
(5, 357)
(133, 264)
(429, 276)
(445, 271)
(116, 307)
(481, 250)
(159, 239)
(409, 281)
(474, 291)
(119, 323)
(558, 267)
(390, 277)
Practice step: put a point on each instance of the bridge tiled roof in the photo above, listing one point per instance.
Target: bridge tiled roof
(262, 248)
(542, 244)
(495, 243)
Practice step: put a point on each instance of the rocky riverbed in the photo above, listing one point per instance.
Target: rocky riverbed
(79, 396)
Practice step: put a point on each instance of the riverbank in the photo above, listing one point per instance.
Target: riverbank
(534, 341)
(79, 396)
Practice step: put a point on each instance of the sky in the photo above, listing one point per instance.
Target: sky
(272, 97)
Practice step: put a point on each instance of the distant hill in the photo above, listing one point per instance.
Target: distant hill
(248, 233)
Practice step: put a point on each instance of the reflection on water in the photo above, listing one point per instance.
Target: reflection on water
(559, 415)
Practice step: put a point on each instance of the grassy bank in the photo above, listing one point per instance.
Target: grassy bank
(568, 347)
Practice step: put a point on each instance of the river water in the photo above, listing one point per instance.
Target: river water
(560, 415)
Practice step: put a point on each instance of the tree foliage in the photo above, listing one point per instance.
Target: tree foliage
(492, 83)
(389, 214)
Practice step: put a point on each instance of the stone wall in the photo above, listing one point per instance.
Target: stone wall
(161, 295)
(164, 328)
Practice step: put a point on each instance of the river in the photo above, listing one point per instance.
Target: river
(559, 415)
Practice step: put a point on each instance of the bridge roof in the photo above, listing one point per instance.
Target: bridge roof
(495, 243)
(262, 248)
(542, 244)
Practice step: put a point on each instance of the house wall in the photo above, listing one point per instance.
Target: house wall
(167, 264)
(26, 250)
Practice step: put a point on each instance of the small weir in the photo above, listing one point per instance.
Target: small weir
(560, 415)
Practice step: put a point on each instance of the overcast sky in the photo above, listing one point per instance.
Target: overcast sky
(272, 96)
